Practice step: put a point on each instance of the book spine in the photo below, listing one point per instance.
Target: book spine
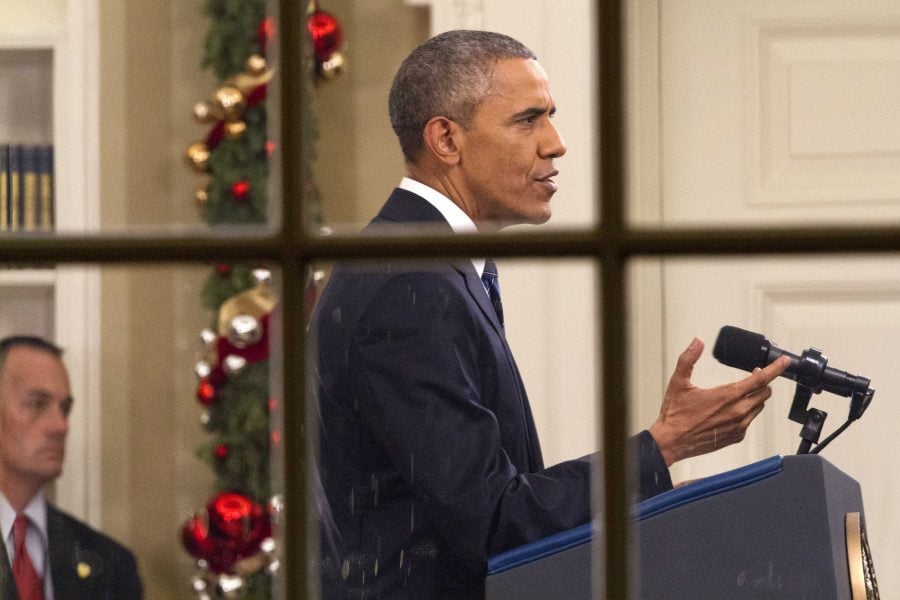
(45, 192)
(4, 187)
(29, 188)
(15, 187)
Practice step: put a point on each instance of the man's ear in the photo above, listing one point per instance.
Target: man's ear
(440, 137)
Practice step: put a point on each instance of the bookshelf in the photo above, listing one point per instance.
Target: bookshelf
(49, 92)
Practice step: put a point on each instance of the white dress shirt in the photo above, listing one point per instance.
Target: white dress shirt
(36, 538)
(459, 221)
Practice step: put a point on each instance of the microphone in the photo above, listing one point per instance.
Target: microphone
(746, 350)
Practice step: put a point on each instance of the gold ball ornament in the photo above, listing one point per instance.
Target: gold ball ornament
(262, 276)
(235, 129)
(276, 504)
(256, 302)
(202, 369)
(331, 69)
(234, 364)
(198, 583)
(256, 65)
(201, 195)
(206, 112)
(208, 337)
(229, 586)
(244, 330)
(198, 156)
(232, 101)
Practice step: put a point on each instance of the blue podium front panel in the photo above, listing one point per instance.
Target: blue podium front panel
(774, 529)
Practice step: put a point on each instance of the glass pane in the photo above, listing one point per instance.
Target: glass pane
(359, 158)
(173, 441)
(136, 116)
(164, 116)
(737, 121)
(830, 312)
(430, 459)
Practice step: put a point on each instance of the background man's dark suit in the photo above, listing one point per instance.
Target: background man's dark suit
(430, 460)
(84, 564)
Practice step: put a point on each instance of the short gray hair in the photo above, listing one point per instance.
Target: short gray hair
(26, 341)
(448, 75)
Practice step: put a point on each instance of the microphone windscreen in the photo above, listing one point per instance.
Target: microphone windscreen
(740, 348)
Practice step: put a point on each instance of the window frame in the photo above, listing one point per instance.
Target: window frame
(292, 248)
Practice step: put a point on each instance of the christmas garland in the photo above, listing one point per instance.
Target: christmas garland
(231, 538)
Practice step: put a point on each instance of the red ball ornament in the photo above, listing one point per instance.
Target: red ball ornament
(206, 392)
(264, 33)
(239, 522)
(223, 269)
(231, 514)
(240, 189)
(221, 451)
(270, 147)
(196, 540)
(326, 34)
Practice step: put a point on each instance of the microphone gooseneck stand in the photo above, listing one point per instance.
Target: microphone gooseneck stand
(809, 376)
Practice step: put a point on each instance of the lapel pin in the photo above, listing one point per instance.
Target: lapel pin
(84, 570)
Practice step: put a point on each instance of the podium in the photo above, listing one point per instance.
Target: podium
(782, 528)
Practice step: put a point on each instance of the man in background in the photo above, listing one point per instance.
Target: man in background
(47, 554)
(430, 459)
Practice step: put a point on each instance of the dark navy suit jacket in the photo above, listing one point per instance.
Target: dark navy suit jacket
(429, 456)
(84, 564)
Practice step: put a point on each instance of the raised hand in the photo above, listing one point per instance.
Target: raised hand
(694, 420)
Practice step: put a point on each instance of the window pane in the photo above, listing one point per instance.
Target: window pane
(738, 121)
(430, 462)
(847, 307)
(171, 410)
(135, 116)
(359, 160)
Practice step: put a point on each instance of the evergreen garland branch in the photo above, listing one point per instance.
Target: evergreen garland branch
(233, 35)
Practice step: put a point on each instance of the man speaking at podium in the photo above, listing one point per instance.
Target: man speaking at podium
(430, 461)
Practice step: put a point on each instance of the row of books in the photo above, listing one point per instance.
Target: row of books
(26, 187)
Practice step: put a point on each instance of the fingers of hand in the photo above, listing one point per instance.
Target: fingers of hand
(752, 410)
(775, 368)
(758, 395)
(686, 361)
(760, 378)
(731, 425)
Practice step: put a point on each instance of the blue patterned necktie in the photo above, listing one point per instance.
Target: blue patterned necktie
(492, 284)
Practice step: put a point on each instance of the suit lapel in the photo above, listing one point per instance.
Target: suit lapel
(7, 584)
(64, 553)
(405, 207)
(476, 290)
